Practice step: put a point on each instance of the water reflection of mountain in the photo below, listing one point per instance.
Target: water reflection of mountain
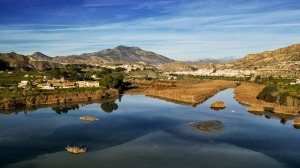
(65, 109)
(97, 136)
(51, 135)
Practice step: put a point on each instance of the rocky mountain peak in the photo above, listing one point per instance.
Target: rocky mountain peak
(38, 56)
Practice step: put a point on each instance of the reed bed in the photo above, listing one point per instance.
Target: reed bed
(256, 108)
(185, 91)
(218, 104)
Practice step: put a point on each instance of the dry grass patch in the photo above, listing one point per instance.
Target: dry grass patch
(297, 121)
(218, 104)
(256, 108)
(186, 91)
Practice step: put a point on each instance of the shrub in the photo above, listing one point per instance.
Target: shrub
(268, 94)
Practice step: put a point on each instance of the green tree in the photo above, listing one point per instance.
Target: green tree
(120, 69)
(112, 81)
(107, 81)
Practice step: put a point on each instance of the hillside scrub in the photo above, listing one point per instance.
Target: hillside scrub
(281, 93)
(247, 94)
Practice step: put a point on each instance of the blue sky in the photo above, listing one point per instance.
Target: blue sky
(178, 29)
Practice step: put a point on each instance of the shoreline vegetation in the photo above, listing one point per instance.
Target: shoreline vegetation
(247, 93)
(57, 98)
(189, 92)
(181, 92)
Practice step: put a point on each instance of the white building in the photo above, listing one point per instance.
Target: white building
(23, 84)
(296, 83)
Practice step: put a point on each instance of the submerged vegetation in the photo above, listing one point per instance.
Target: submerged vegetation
(208, 126)
(88, 118)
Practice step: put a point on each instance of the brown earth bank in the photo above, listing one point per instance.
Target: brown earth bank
(182, 92)
(57, 98)
(246, 94)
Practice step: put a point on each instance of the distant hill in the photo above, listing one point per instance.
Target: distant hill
(38, 56)
(284, 62)
(207, 62)
(40, 61)
(203, 62)
(11, 61)
(174, 66)
(283, 58)
(117, 54)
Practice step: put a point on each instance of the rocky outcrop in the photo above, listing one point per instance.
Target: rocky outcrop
(57, 98)
(38, 56)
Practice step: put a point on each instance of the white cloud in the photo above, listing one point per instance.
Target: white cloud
(184, 36)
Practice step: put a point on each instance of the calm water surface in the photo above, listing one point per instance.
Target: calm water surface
(140, 132)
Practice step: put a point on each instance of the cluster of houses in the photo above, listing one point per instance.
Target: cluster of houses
(60, 83)
(297, 82)
(129, 67)
(212, 72)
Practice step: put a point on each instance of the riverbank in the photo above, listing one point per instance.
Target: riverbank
(246, 94)
(9, 103)
(181, 92)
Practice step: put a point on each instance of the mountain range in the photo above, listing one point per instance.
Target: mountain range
(13, 61)
(283, 58)
(40, 61)
(117, 54)
(213, 61)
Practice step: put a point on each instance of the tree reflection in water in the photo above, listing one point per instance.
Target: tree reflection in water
(109, 106)
(296, 126)
(283, 121)
(65, 109)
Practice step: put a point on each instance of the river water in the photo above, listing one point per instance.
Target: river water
(139, 131)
